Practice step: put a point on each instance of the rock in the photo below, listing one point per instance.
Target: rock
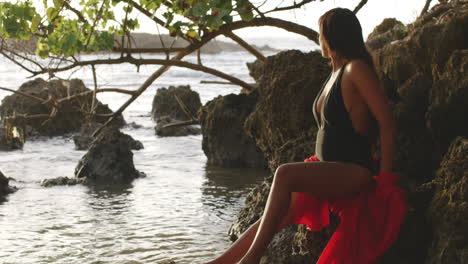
(109, 160)
(63, 181)
(256, 69)
(70, 116)
(448, 211)
(224, 141)
(85, 138)
(166, 104)
(389, 30)
(424, 76)
(11, 139)
(287, 89)
(174, 131)
(447, 114)
(5, 188)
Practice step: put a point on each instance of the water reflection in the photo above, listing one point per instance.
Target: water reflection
(224, 187)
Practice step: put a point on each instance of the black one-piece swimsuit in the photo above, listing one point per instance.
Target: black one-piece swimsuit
(336, 138)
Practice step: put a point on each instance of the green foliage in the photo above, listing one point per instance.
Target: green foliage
(92, 25)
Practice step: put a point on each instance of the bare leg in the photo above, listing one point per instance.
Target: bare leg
(320, 179)
(243, 243)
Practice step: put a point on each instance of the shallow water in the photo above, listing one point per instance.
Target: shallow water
(181, 211)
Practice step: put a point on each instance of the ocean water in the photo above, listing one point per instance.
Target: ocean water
(181, 211)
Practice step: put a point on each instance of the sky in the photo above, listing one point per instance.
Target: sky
(370, 15)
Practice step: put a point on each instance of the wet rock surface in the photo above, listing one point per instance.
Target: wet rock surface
(166, 103)
(5, 188)
(85, 138)
(165, 128)
(109, 160)
(225, 142)
(70, 115)
(63, 181)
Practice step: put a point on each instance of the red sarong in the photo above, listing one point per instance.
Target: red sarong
(369, 222)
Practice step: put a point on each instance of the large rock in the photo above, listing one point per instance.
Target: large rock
(70, 116)
(224, 141)
(166, 103)
(283, 113)
(448, 210)
(109, 160)
(428, 94)
(5, 188)
(85, 138)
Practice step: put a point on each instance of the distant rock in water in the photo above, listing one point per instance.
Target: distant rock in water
(11, 139)
(63, 181)
(166, 103)
(84, 139)
(175, 131)
(225, 143)
(70, 116)
(109, 160)
(5, 188)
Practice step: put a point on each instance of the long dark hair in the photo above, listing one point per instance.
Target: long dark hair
(343, 33)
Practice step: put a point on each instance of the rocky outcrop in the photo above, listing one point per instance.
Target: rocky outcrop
(282, 124)
(448, 211)
(109, 160)
(163, 130)
(167, 101)
(5, 188)
(70, 116)
(225, 142)
(424, 75)
(84, 139)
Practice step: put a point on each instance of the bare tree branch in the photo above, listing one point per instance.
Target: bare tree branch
(147, 50)
(77, 13)
(425, 8)
(294, 6)
(359, 6)
(245, 45)
(35, 98)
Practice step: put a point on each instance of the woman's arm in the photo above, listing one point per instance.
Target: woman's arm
(369, 87)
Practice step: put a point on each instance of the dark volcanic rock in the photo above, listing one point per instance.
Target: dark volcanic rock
(224, 141)
(165, 103)
(5, 188)
(109, 160)
(174, 131)
(428, 95)
(84, 139)
(283, 114)
(448, 210)
(256, 69)
(70, 116)
(63, 181)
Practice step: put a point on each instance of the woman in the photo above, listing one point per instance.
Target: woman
(349, 108)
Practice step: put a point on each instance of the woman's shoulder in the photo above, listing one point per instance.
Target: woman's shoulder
(358, 69)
